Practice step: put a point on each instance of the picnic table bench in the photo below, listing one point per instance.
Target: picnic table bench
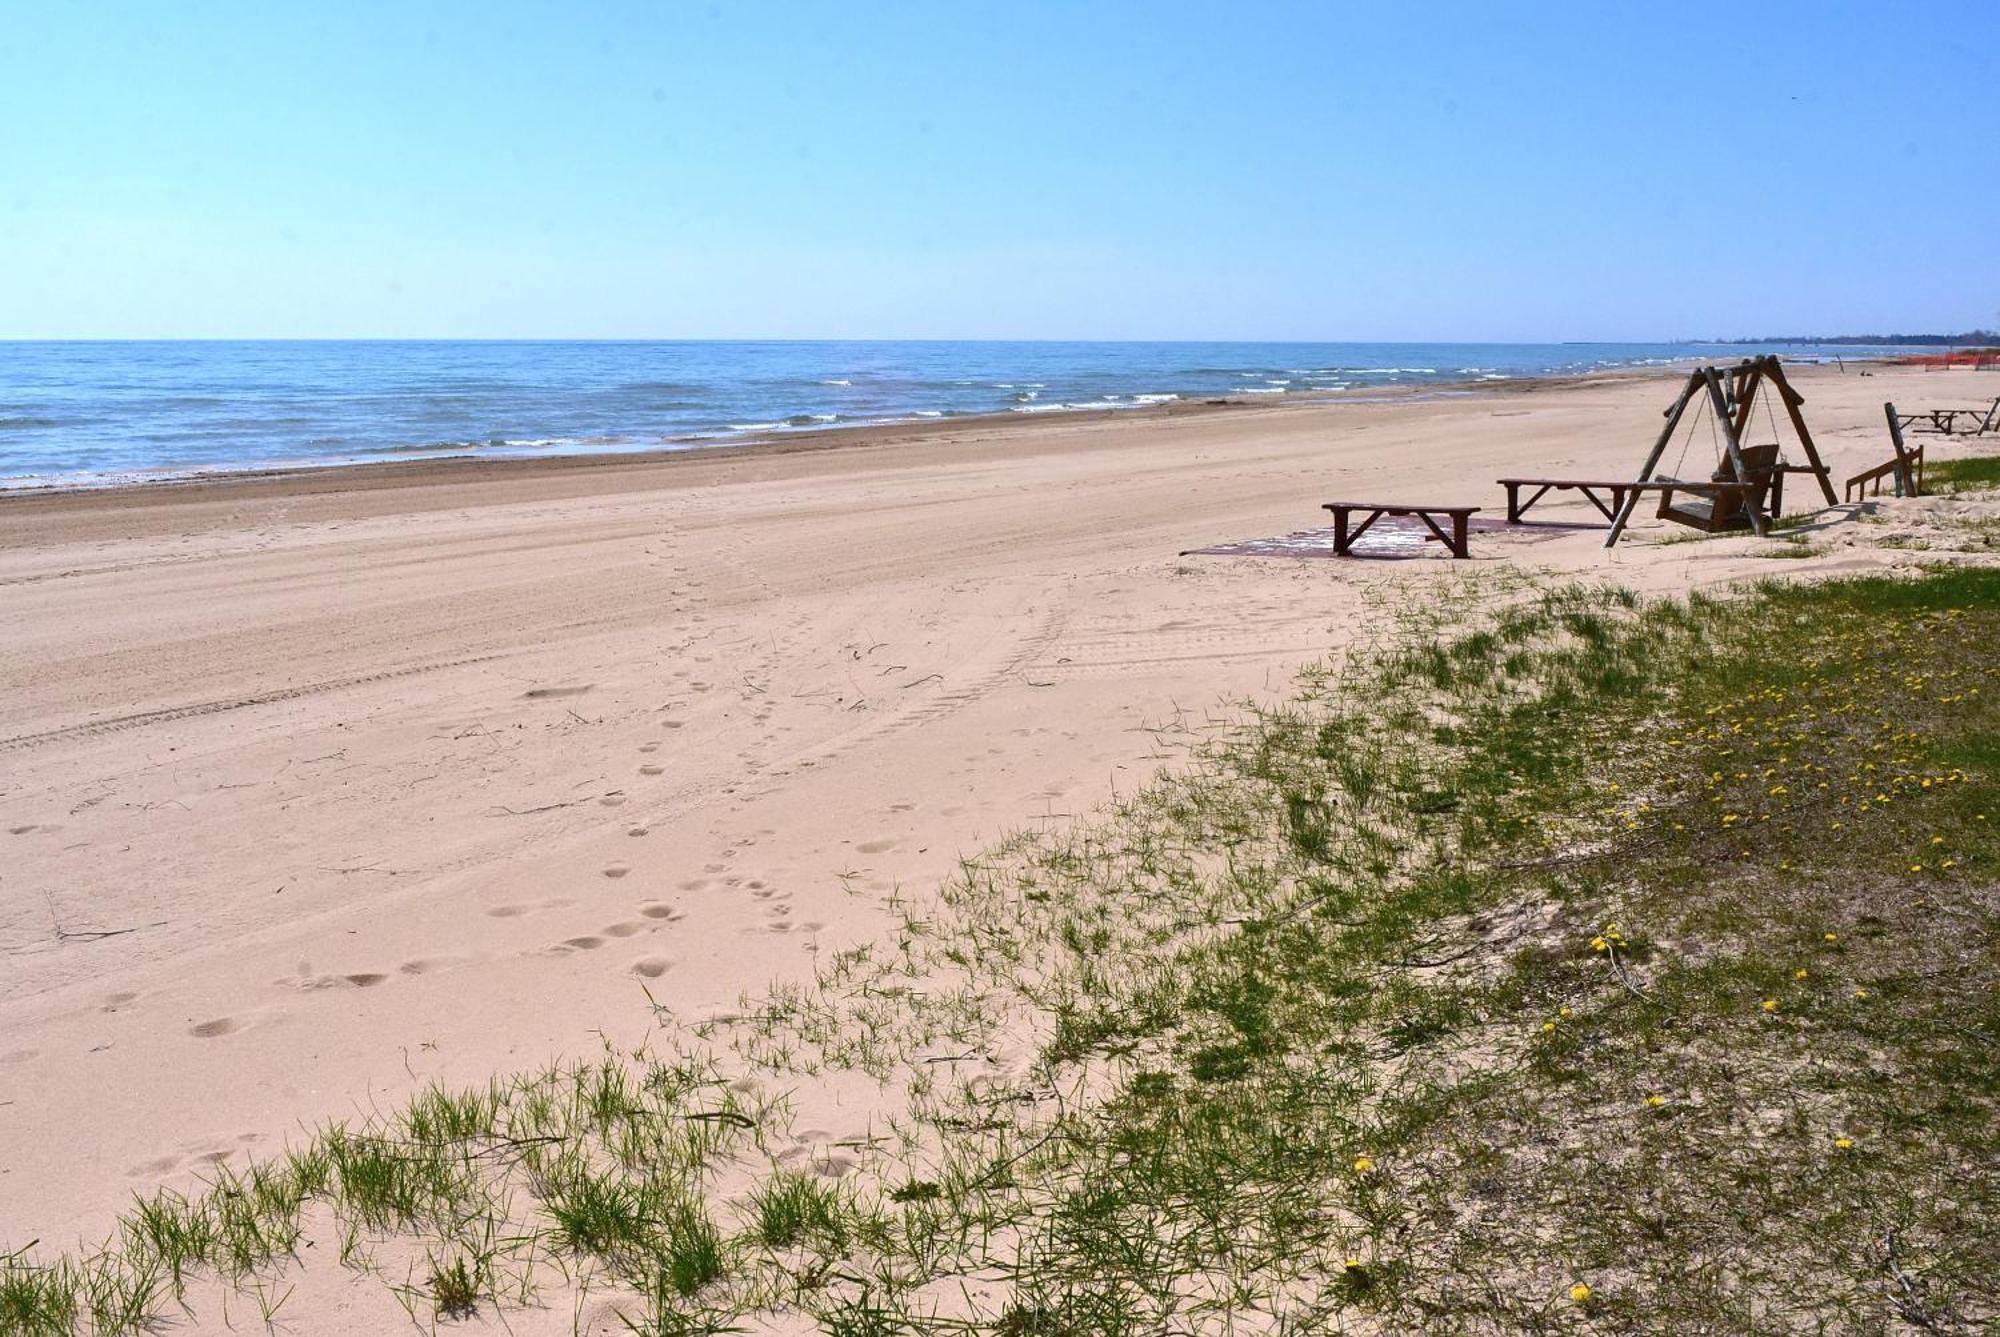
(1345, 532)
(1589, 487)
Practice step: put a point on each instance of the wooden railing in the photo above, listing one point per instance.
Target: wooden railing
(1906, 467)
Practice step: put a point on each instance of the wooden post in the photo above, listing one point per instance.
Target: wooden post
(1906, 480)
(1743, 386)
(1793, 399)
(1653, 459)
(1760, 523)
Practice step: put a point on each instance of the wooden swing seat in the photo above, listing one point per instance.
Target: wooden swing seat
(1731, 499)
(1723, 503)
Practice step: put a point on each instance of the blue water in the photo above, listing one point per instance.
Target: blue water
(103, 412)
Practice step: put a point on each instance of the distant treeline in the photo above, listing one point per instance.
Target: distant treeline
(1974, 337)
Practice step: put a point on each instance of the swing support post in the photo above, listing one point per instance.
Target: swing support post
(1653, 460)
(1793, 399)
(1760, 523)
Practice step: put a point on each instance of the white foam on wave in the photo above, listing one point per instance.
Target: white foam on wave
(1261, 390)
(1153, 399)
(836, 382)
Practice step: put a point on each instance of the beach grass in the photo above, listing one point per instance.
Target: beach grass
(1974, 473)
(1564, 961)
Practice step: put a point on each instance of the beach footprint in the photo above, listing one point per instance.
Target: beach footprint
(216, 1029)
(651, 967)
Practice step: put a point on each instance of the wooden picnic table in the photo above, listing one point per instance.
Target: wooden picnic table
(1344, 533)
(1945, 421)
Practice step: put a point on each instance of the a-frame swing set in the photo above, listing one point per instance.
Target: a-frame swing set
(1747, 488)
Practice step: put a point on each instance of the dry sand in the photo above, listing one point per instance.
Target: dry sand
(316, 788)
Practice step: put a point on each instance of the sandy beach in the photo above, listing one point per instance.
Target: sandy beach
(317, 788)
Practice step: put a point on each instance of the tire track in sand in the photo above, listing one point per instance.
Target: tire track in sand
(168, 714)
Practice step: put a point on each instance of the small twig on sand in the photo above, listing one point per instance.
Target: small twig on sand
(502, 810)
(1910, 1303)
(1611, 950)
(87, 934)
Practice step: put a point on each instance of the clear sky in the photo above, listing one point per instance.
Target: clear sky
(1505, 171)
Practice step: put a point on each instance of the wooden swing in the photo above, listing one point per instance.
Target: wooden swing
(1746, 489)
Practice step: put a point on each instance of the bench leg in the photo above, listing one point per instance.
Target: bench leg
(1513, 503)
(1455, 540)
(1340, 539)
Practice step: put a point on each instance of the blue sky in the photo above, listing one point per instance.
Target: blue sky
(959, 170)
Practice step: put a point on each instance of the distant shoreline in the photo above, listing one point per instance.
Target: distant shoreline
(393, 465)
(414, 471)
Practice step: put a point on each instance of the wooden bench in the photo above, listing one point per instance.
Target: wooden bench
(1344, 532)
(1516, 508)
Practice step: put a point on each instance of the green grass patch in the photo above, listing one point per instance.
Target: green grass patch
(1975, 473)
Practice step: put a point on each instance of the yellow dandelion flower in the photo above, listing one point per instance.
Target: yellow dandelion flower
(1656, 1101)
(1860, 993)
(1844, 1143)
(1364, 1165)
(1580, 1293)
(1564, 1012)
(1770, 1005)
(1831, 937)
(1548, 1028)
(1599, 945)
(1353, 1265)
(1799, 974)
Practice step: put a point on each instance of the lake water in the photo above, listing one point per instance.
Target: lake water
(109, 412)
